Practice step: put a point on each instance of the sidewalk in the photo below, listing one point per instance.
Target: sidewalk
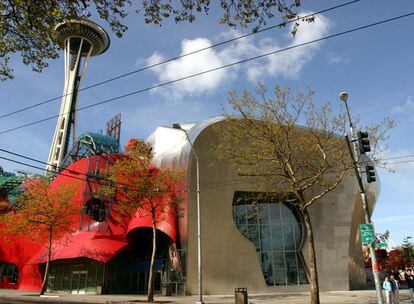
(331, 297)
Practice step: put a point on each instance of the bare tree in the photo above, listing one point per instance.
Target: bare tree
(291, 145)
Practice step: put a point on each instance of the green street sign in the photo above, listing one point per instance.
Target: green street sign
(368, 239)
(380, 245)
(367, 233)
(366, 227)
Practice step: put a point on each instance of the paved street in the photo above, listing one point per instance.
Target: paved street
(337, 297)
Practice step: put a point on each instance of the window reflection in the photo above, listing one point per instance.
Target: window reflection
(273, 225)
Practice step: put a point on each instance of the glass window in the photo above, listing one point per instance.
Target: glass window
(58, 282)
(297, 231)
(264, 214)
(265, 239)
(75, 276)
(267, 268)
(291, 268)
(253, 234)
(242, 229)
(274, 211)
(288, 237)
(277, 238)
(10, 271)
(279, 268)
(288, 216)
(253, 214)
(240, 214)
(303, 279)
(67, 275)
(272, 224)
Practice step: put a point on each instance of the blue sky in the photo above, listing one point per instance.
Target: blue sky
(374, 65)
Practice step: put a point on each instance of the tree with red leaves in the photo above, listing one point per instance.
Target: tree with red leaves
(396, 260)
(382, 257)
(43, 212)
(140, 188)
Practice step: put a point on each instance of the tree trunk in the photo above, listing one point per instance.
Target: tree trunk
(49, 256)
(150, 293)
(314, 284)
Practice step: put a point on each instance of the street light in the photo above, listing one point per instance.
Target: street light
(199, 258)
(354, 154)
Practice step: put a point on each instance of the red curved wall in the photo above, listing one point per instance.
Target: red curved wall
(97, 245)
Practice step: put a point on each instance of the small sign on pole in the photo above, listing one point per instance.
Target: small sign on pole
(380, 245)
(367, 233)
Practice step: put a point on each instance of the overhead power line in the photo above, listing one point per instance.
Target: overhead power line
(398, 157)
(39, 168)
(181, 56)
(214, 69)
(206, 185)
(401, 162)
(59, 169)
(98, 179)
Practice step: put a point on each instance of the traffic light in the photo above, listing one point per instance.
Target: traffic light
(370, 172)
(363, 141)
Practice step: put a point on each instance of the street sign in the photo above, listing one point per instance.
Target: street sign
(367, 233)
(380, 245)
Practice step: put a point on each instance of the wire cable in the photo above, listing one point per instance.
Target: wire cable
(117, 185)
(401, 162)
(97, 178)
(181, 56)
(60, 169)
(398, 157)
(39, 168)
(212, 70)
(43, 162)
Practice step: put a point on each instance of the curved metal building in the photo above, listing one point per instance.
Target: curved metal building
(93, 259)
(266, 256)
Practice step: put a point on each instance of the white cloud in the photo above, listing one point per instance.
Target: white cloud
(333, 58)
(290, 63)
(287, 64)
(408, 106)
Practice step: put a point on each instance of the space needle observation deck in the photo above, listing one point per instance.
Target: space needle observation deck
(79, 39)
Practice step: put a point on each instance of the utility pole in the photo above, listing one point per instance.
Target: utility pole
(353, 150)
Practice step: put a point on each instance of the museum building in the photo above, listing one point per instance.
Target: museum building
(258, 246)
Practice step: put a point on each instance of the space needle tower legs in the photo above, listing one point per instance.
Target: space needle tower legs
(79, 40)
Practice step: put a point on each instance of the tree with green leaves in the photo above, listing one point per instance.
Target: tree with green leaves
(142, 190)
(291, 145)
(43, 213)
(26, 26)
(408, 249)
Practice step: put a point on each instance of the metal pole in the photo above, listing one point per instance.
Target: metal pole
(354, 154)
(199, 259)
(199, 251)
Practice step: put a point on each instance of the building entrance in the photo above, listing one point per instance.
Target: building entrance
(79, 281)
(77, 276)
(128, 272)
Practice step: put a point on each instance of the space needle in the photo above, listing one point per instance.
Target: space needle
(79, 39)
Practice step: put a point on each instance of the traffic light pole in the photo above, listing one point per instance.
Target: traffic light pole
(354, 155)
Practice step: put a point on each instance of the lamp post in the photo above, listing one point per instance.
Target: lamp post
(199, 256)
(354, 154)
